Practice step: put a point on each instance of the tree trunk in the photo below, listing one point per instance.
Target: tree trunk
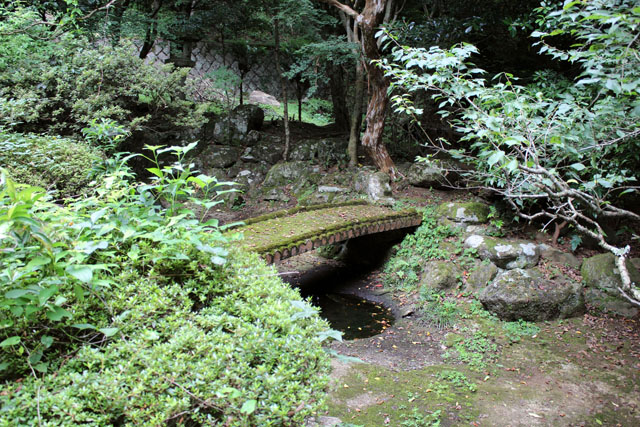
(152, 30)
(370, 20)
(338, 98)
(283, 84)
(356, 116)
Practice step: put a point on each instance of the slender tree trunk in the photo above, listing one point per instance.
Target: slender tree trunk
(338, 98)
(356, 116)
(283, 84)
(152, 30)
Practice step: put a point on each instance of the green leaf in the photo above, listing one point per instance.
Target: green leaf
(17, 293)
(157, 172)
(109, 332)
(83, 326)
(45, 294)
(249, 407)
(57, 314)
(80, 272)
(10, 341)
(578, 166)
(495, 157)
(37, 262)
(46, 341)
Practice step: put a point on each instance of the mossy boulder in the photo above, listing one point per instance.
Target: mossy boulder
(269, 149)
(374, 184)
(434, 173)
(217, 156)
(556, 256)
(480, 275)
(325, 150)
(602, 280)
(528, 295)
(285, 173)
(235, 127)
(440, 275)
(467, 213)
(508, 254)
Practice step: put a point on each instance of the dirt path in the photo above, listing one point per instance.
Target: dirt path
(480, 371)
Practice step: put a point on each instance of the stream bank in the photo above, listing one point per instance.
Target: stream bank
(479, 371)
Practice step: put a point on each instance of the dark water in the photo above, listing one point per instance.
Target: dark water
(353, 316)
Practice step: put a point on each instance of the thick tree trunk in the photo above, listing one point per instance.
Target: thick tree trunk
(370, 20)
(283, 84)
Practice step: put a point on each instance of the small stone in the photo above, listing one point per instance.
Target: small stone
(440, 275)
(468, 213)
(508, 254)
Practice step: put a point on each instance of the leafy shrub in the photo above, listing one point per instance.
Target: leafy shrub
(516, 330)
(404, 268)
(50, 162)
(63, 86)
(115, 310)
(437, 309)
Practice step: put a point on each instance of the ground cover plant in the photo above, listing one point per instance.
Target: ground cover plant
(117, 310)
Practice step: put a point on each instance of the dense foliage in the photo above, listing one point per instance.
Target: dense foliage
(57, 164)
(66, 84)
(115, 310)
(556, 150)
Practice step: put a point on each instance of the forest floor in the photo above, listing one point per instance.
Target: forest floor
(479, 371)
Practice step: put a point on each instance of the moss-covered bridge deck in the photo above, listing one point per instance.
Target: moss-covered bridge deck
(287, 233)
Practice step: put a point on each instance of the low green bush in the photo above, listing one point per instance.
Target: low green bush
(51, 162)
(115, 310)
(68, 84)
(404, 268)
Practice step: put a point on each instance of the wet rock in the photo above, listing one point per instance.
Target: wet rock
(467, 213)
(526, 294)
(217, 156)
(434, 173)
(480, 275)
(508, 254)
(602, 280)
(259, 97)
(558, 257)
(234, 128)
(326, 151)
(373, 184)
(440, 275)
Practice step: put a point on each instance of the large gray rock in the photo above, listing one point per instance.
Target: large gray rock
(297, 174)
(259, 97)
(526, 294)
(373, 184)
(602, 280)
(556, 256)
(326, 150)
(440, 275)
(434, 173)
(508, 254)
(268, 149)
(480, 275)
(217, 156)
(467, 213)
(235, 128)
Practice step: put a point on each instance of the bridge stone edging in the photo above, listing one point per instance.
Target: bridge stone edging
(274, 255)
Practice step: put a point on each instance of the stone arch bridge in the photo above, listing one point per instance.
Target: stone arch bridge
(291, 232)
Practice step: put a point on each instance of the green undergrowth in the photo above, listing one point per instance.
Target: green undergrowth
(56, 164)
(119, 310)
(403, 270)
(314, 110)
